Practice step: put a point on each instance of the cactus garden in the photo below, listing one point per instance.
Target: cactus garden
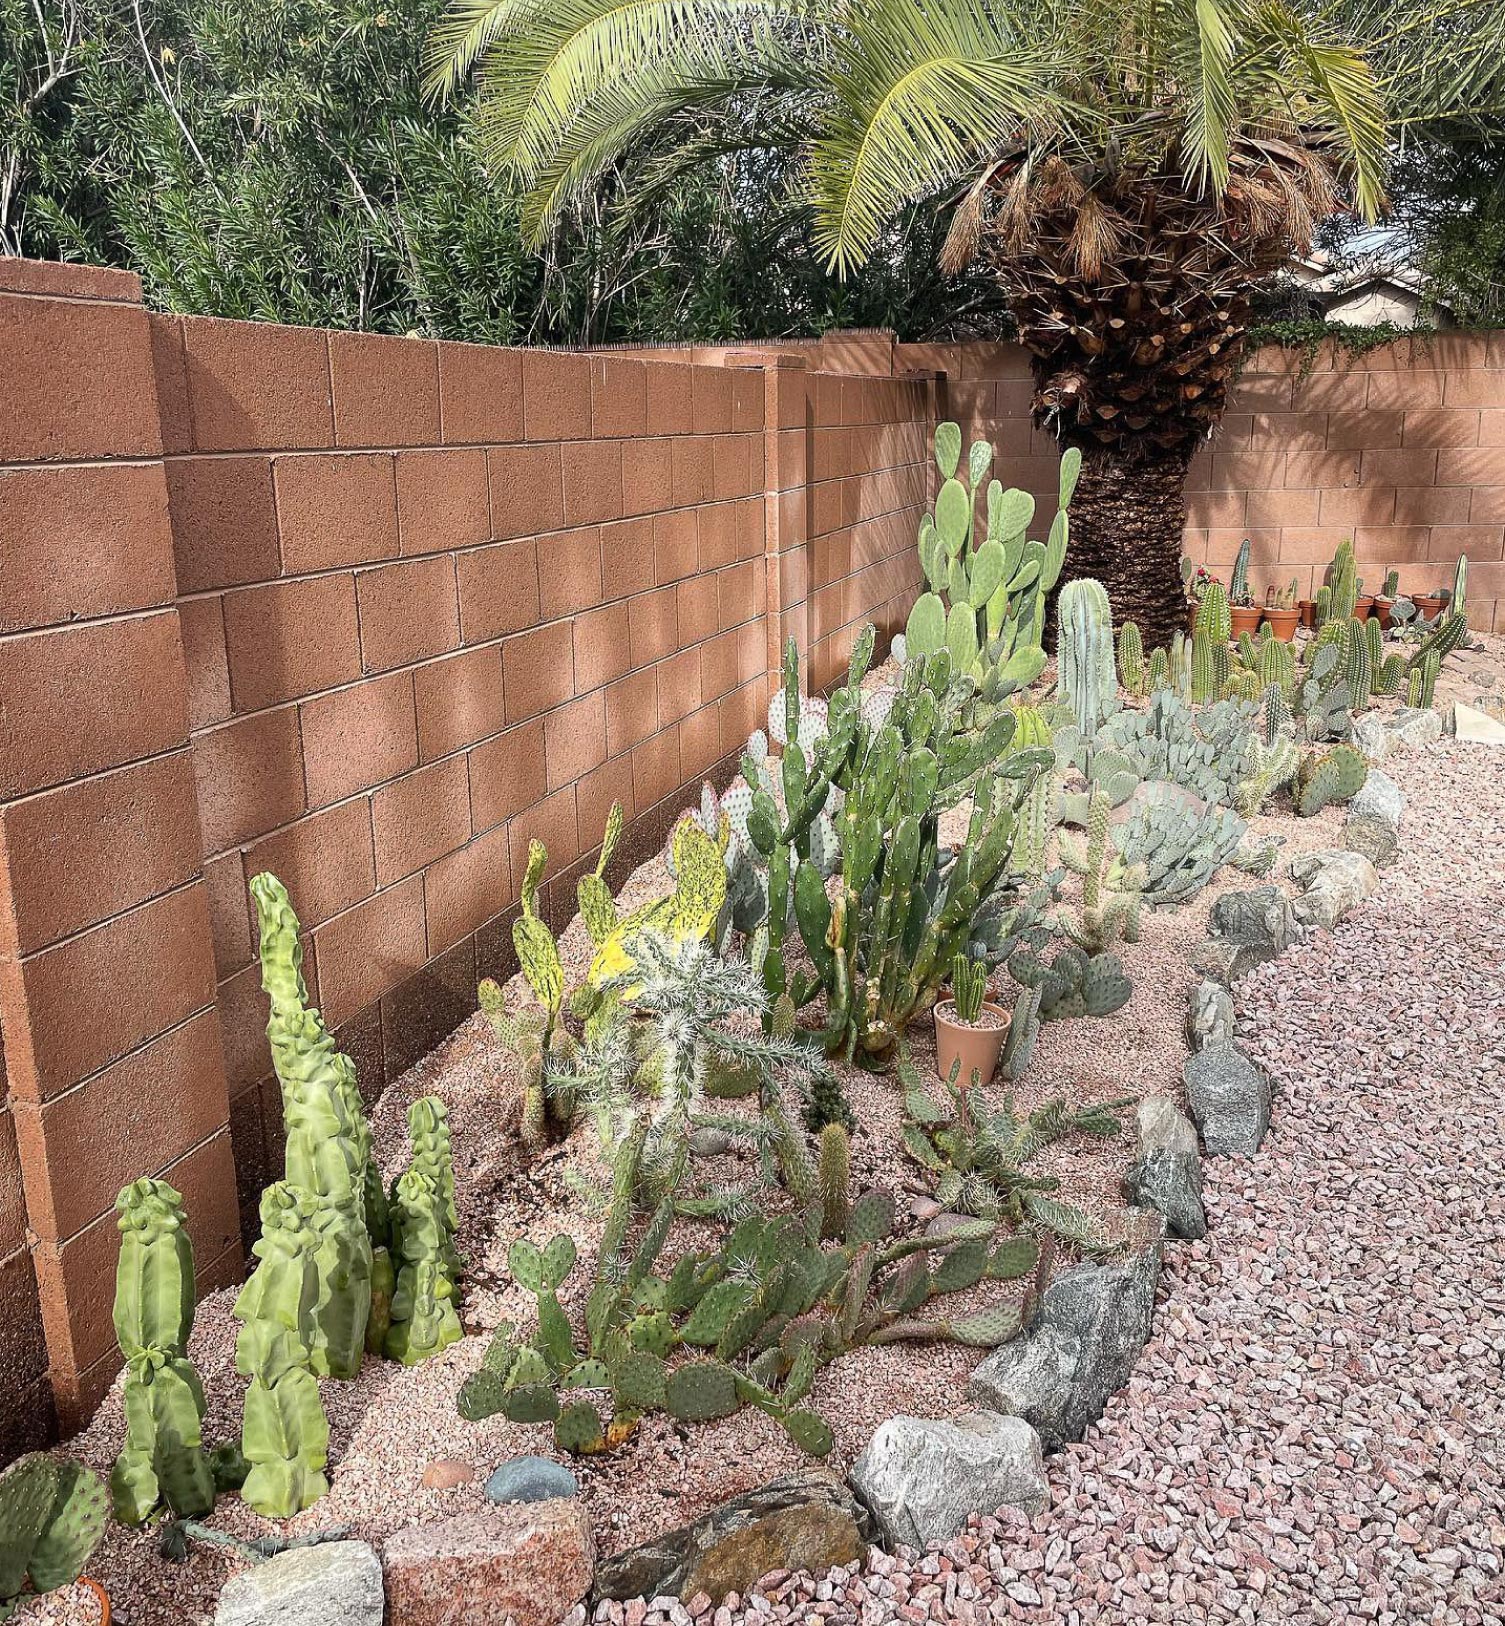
(690, 1202)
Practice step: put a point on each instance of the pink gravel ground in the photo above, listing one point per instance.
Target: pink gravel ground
(1314, 1431)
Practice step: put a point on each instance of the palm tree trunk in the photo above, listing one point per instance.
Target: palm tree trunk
(1127, 519)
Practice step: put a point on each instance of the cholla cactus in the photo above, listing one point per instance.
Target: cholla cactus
(1110, 890)
(163, 1461)
(52, 1516)
(285, 1435)
(1266, 769)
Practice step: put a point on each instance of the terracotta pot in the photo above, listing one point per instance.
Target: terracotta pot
(1282, 623)
(1246, 618)
(1382, 611)
(1427, 604)
(1362, 607)
(97, 1588)
(1306, 608)
(976, 1048)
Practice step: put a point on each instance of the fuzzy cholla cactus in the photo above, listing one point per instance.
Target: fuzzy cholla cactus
(162, 1461)
(1110, 890)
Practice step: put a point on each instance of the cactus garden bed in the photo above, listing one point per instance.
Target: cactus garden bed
(391, 1423)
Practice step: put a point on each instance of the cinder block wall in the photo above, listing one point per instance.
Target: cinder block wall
(1401, 449)
(369, 613)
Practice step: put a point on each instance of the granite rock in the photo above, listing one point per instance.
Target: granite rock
(1230, 1100)
(336, 1583)
(531, 1479)
(1372, 826)
(1167, 1174)
(922, 1478)
(1333, 883)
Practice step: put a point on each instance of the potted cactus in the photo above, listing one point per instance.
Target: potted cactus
(52, 1516)
(969, 1027)
(1196, 583)
(1385, 599)
(1281, 613)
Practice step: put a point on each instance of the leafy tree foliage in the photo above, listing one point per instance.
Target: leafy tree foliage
(276, 160)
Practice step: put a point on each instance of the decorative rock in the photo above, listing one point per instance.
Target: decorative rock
(806, 1520)
(1230, 1100)
(529, 1563)
(447, 1473)
(1333, 883)
(1167, 1175)
(1373, 823)
(1093, 1322)
(923, 1478)
(1414, 728)
(531, 1479)
(1371, 737)
(1246, 929)
(1209, 1016)
(706, 1142)
(337, 1583)
(1471, 724)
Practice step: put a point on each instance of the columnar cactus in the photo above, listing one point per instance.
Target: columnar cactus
(425, 1315)
(1213, 615)
(1343, 584)
(1131, 666)
(1238, 582)
(284, 1435)
(1085, 654)
(52, 1516)
(162, 1461)
(833, 1180)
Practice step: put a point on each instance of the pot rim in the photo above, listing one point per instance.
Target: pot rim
(954, 1021)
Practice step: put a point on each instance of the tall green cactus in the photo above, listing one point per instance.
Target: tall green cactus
(986, 600)
(284, 1434)
(1085, 656)
(1213, 615)
(1238, 582)
(425, 1316)
(328, 1144)
(163, 1460)
(1343, 584)
(1131, 664)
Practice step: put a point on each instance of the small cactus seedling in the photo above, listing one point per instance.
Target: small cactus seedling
(52, 1517)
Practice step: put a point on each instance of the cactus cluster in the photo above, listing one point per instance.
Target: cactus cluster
(1326, 777)
(748, 1323)
(986, 600)
(969, 987)
(1074, 983)
(52, 1517)
(163, 1462)
(1201, 749)
(976, 1154)
(882, 946)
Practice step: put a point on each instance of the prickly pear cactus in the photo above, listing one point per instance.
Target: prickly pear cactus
(1331, 776)
(52, 1517)
(162, 1461)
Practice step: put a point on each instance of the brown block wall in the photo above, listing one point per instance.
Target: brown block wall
(1402, 450)
(112, 1054)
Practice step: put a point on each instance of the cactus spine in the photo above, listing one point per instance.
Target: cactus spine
(1085, 655)
(163, 1459)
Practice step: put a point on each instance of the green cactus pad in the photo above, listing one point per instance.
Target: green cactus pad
(587, 1374)
(638, 1380)
(577, 1429)
(961, 1267)
(872, 1218)
(1014, 1257)
(700, 1392)
(481, 1396)
(809, 1432)
(532, 1403)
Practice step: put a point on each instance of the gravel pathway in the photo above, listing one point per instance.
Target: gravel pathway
(1314, 1433)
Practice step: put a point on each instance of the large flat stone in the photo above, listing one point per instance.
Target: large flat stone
(922, 1478)
(528, 1563)
(1372, 826)
(1094, 1320)
(1469, 723)
(807, 1520)
(337, 1583)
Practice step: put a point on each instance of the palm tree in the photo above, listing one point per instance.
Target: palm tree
(1131, 170)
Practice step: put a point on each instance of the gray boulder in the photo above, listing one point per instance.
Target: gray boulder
(921, 1478)
(803, 1521)
(337, 1583)
(1414, 729)
(531, 1479)
(1093, 1322)
(1332, 884)
(1230, 1100)
(1244, 930)
(1209, 1015)
(1167, 1174)
(1370, 736)
(1373, 823)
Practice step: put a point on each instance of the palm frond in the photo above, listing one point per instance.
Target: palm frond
(920, 94)
(1212, 109)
